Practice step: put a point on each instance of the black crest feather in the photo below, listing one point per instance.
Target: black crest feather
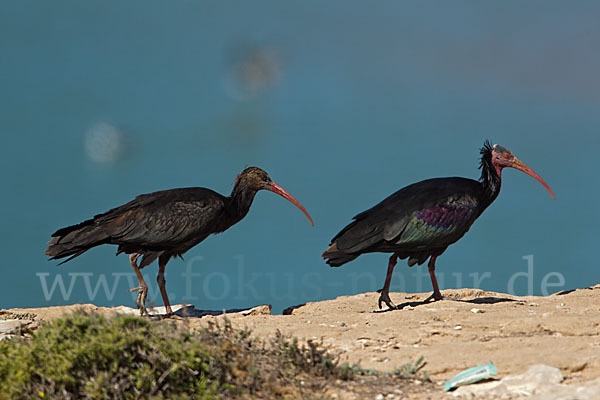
(489, 177)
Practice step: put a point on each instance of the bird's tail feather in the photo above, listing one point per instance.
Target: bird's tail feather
(75, 240)
(335, 257)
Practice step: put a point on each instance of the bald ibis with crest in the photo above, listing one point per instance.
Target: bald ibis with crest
(165, 224)
(421, 220)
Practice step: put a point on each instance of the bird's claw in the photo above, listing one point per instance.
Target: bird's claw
(141, 298)
(385, 298)
(435, 296)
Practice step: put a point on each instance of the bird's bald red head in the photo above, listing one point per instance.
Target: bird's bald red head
(503, 158)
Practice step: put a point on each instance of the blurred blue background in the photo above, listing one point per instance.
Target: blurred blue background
(342, 103)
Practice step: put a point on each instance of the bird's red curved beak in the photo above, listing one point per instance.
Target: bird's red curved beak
(518, 164)
(275, 188)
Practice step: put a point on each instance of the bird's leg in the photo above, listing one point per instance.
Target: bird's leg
(385, 291)
(142, 288)
(436, 295)
(162, 264)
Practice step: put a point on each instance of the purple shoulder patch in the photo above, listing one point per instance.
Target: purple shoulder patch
(446, 216)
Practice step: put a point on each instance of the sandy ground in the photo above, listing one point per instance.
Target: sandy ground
(561, 330)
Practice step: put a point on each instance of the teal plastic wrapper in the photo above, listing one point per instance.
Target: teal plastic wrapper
(471, 375)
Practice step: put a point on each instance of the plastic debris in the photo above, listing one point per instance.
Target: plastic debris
(471, 375)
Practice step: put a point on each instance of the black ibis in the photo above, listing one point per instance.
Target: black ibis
(421, 220)
(164, 224)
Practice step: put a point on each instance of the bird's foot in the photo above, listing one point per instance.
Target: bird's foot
(385, 298)
(435, 296)
(170, 316)
(141, 298)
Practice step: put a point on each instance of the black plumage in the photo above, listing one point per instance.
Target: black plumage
(421, 220)
(164, 224)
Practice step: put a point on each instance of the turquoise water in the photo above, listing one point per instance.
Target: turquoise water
(342, 104)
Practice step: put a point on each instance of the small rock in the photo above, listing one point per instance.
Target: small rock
(458, 327)
(476, 310)
(9, 326)
(380, 397)
(258, 310)
(379, 359)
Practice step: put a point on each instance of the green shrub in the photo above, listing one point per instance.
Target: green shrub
(88, 356)
(91, 357)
